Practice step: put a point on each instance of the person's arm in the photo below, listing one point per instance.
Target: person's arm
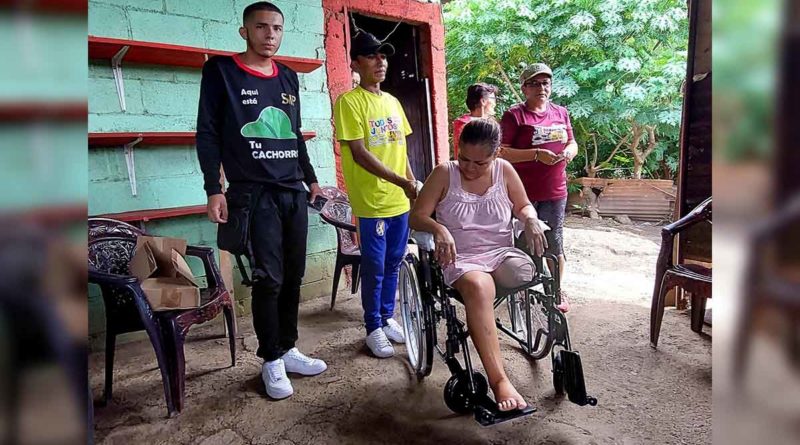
(410, 194)
(510, 127)
(209, 126)
(515, 155)
(542, 155)
(420, 218)
(372, 164)
(309, 175)
(209, 140)
(349, 124)
(524, 211)
(571, 150)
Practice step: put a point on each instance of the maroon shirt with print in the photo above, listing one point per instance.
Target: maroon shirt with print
(551, 130)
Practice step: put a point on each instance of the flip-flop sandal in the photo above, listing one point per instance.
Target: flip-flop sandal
(564, 305)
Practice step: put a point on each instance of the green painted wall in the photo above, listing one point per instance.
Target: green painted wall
(161, 98)
(42, 163)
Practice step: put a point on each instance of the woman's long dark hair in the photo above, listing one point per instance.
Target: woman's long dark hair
(483, 132)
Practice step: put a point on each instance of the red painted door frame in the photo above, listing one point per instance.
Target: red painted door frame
(428, 18)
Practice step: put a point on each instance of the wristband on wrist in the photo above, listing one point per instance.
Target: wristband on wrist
(535, 154)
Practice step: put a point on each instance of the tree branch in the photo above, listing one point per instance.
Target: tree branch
(651, 144)
(637, 136)
(507, 80)
(611, 156)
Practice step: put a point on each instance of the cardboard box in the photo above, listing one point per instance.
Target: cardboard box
(166, 279)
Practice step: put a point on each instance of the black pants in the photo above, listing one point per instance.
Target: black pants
(278, 234)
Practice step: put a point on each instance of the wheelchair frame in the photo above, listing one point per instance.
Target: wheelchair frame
(426, 300)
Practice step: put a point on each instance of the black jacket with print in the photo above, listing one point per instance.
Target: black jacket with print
(250, 123)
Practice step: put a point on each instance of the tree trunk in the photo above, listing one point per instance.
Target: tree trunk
(640, 155)
(590, 202)
(637, 168)
(638, 161)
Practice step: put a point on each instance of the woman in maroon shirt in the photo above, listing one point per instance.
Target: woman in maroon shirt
(481, 102)
(538, 141)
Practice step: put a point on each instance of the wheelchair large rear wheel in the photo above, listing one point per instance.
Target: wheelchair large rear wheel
(519, 312)
(416, 319)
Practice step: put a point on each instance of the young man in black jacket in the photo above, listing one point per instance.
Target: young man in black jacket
(249, 121)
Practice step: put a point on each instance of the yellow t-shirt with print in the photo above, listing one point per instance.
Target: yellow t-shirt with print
(380, 121)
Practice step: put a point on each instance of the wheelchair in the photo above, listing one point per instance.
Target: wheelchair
(533, 321)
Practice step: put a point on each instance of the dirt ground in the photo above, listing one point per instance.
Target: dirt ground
(644, 396)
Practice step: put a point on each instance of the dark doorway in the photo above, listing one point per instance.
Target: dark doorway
(404, 81)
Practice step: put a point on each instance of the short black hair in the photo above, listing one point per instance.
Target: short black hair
(479, 91)
(260, 6)
(482, 131)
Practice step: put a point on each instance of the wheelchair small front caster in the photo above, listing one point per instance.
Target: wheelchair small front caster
(558, 375)
(457, 395)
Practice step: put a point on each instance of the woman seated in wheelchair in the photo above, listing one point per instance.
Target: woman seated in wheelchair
(474, 198)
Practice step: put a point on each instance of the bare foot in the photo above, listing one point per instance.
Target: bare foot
(507, 397)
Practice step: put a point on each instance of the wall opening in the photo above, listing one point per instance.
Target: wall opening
(406, 81)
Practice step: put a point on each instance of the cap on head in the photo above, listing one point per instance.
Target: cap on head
(533, 70)
(365, 44)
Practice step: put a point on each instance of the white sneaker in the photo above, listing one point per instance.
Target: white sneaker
(394, 331)
(274, 376)
(296, 361)
(379, 344)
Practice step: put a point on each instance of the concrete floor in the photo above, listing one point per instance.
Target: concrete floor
(645, 396)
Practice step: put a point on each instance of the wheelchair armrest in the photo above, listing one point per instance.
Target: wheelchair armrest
(519, 227)
(424, 240)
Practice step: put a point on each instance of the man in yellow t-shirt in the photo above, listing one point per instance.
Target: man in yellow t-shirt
(372, 128)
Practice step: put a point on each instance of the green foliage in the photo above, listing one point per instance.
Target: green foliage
(615, 63)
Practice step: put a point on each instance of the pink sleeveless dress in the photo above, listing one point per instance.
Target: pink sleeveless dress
(480, 224)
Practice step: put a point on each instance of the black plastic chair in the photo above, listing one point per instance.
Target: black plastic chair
(111, 244)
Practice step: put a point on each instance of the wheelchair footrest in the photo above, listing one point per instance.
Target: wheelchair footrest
(487, 413)
(574, 383)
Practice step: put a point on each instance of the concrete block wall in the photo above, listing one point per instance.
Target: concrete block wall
(163, 98)
(42, 163)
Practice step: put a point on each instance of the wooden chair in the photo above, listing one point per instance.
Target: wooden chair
(111, 244)
(693, 278)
